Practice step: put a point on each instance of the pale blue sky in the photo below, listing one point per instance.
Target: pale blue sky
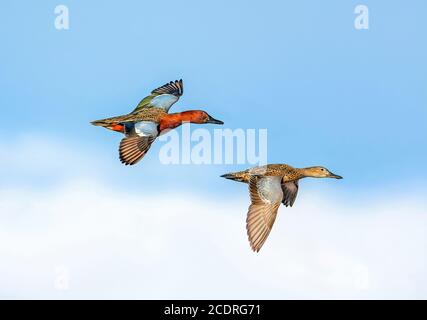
(352, 100)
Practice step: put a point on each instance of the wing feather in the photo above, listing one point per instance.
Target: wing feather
(174, 87)
(163, 97)
(133, 148)
(266, 195)
(290, 191)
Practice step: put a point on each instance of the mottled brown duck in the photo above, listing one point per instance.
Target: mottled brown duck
(269, 186)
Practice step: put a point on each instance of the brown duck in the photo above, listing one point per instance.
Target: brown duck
(269, 186)
(150, 119)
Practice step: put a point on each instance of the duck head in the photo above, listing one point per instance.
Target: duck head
(174, 120)
(201, 117)
(319, 172)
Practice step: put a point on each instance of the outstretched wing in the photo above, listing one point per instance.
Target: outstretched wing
(290, 191)
(163, 97)
(133, 148)
(266, 195)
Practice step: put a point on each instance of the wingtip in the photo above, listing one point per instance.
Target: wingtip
(254, 249)
(124, 162)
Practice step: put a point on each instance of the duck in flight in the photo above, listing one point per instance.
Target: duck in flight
(150, 119)
(269, 186)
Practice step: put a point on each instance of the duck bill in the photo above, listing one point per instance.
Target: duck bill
(335, 176)
(214, 121)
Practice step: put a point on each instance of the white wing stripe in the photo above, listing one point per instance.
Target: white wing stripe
(146, 128)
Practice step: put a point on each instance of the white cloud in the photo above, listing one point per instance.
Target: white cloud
(115, 244)
(84, 238)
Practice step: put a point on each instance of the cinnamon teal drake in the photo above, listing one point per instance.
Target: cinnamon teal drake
(269, 186)
(150, 119)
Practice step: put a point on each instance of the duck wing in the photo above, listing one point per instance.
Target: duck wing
(133, 148)
(266, 195)
(290, 191)
(163, 97)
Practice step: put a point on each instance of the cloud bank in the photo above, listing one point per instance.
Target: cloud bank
(115, 244)
(86, 239)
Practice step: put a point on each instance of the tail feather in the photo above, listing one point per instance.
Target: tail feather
(241, 176)
(109, 123)
(99, 123)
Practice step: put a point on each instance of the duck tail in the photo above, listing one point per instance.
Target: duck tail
(241, 176)
(110, 124)
(99, 123)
